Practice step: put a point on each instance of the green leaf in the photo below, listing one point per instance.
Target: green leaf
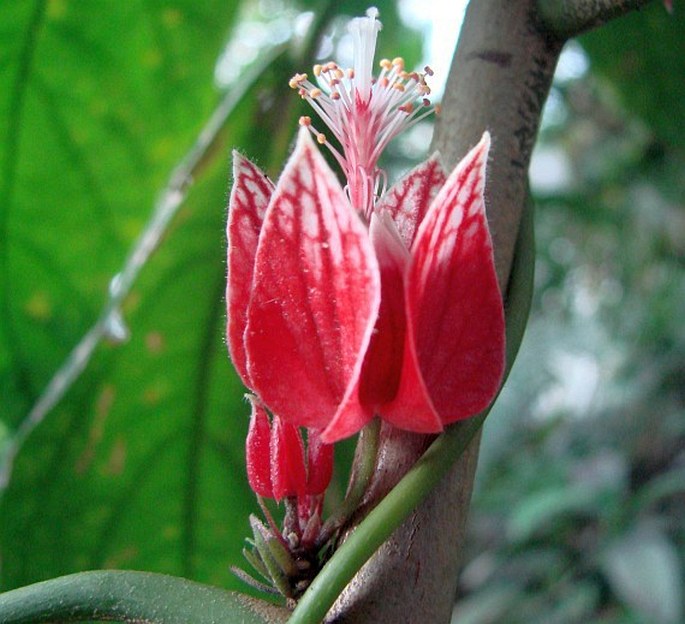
(132, 597)
(97, 102)
(541, 509)
(141, 465)
(643, 56)
(669, 484)
(644, 571)
(576, 603)
(489, 605)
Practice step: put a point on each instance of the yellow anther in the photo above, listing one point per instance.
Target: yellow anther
(384, 83)
(315, 93)
(398, 62)
(405, 75)
(321, 138)
(331, 66)
(406, 108)
(398, 86)
(297, 80)
(385, 64)
(317, 70)
(339, 73)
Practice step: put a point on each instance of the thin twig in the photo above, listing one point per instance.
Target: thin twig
(110, 323)
(569, 18)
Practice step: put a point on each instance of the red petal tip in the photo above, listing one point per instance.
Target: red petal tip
(257, 453)
(288, 474)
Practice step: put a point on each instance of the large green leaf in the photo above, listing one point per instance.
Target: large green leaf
(141, 465)
(124, 596)
(97, 101)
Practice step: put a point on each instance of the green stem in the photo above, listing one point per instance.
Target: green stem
(431, 467)
(365, 463)
(364, 466)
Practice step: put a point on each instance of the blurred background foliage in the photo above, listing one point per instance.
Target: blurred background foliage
(579, 514)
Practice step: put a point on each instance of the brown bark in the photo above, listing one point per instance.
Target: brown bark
(568, 18)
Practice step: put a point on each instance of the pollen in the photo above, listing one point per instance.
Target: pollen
(398, 62)
(317, 70)
(315, 93)
(386, 64)
(406, 108)
(305, 121)
(297, 80)
(321, 138)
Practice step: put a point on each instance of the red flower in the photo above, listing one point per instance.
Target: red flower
(343, 304)
(330, 322)
(277, 464)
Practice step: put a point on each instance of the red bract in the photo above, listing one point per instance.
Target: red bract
(402, 318)
(277, 465)
(347, 303)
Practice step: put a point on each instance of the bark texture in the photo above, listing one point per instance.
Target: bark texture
(568, 18)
